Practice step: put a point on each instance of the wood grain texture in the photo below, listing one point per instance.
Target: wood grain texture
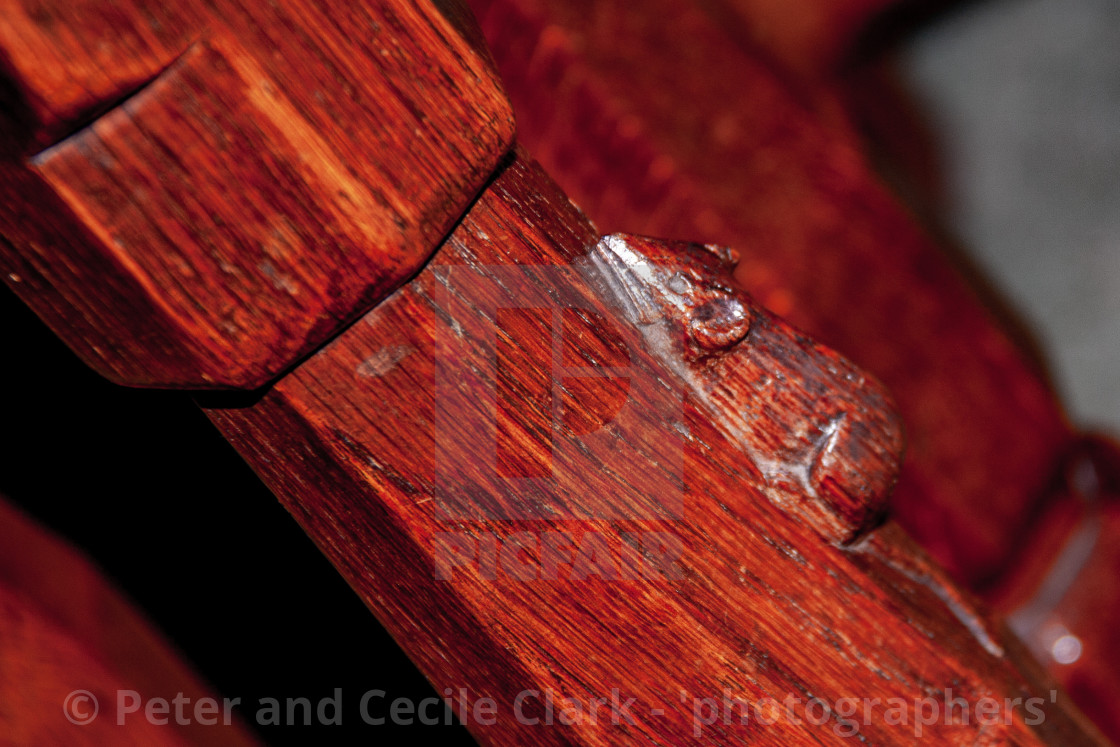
(552, 462)
(234, 182)
(823, 439)
(657, 122)
(356, 443)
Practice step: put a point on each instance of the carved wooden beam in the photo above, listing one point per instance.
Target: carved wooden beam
(746, 162)
(616, 571)
(199, 196)
(552, 463)
(764, 157)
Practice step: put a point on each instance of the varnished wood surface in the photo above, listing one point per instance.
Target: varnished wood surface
(749, 162)
(1061, 594)
(764, 157)
(229, 199)
(201, 195)
(763, 606)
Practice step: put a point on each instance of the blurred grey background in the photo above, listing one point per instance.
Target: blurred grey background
(1024, 100)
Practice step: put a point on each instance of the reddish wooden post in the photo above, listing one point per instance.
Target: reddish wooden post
(232, 184)
(703, 559)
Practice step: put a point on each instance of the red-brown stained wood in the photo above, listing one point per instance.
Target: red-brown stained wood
(381, 445)
(1060, 594)
(66, 633)
(657, 122)
(821, 437)
(750, 160)
(811, 38)
(233, 183)
(200, 197)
